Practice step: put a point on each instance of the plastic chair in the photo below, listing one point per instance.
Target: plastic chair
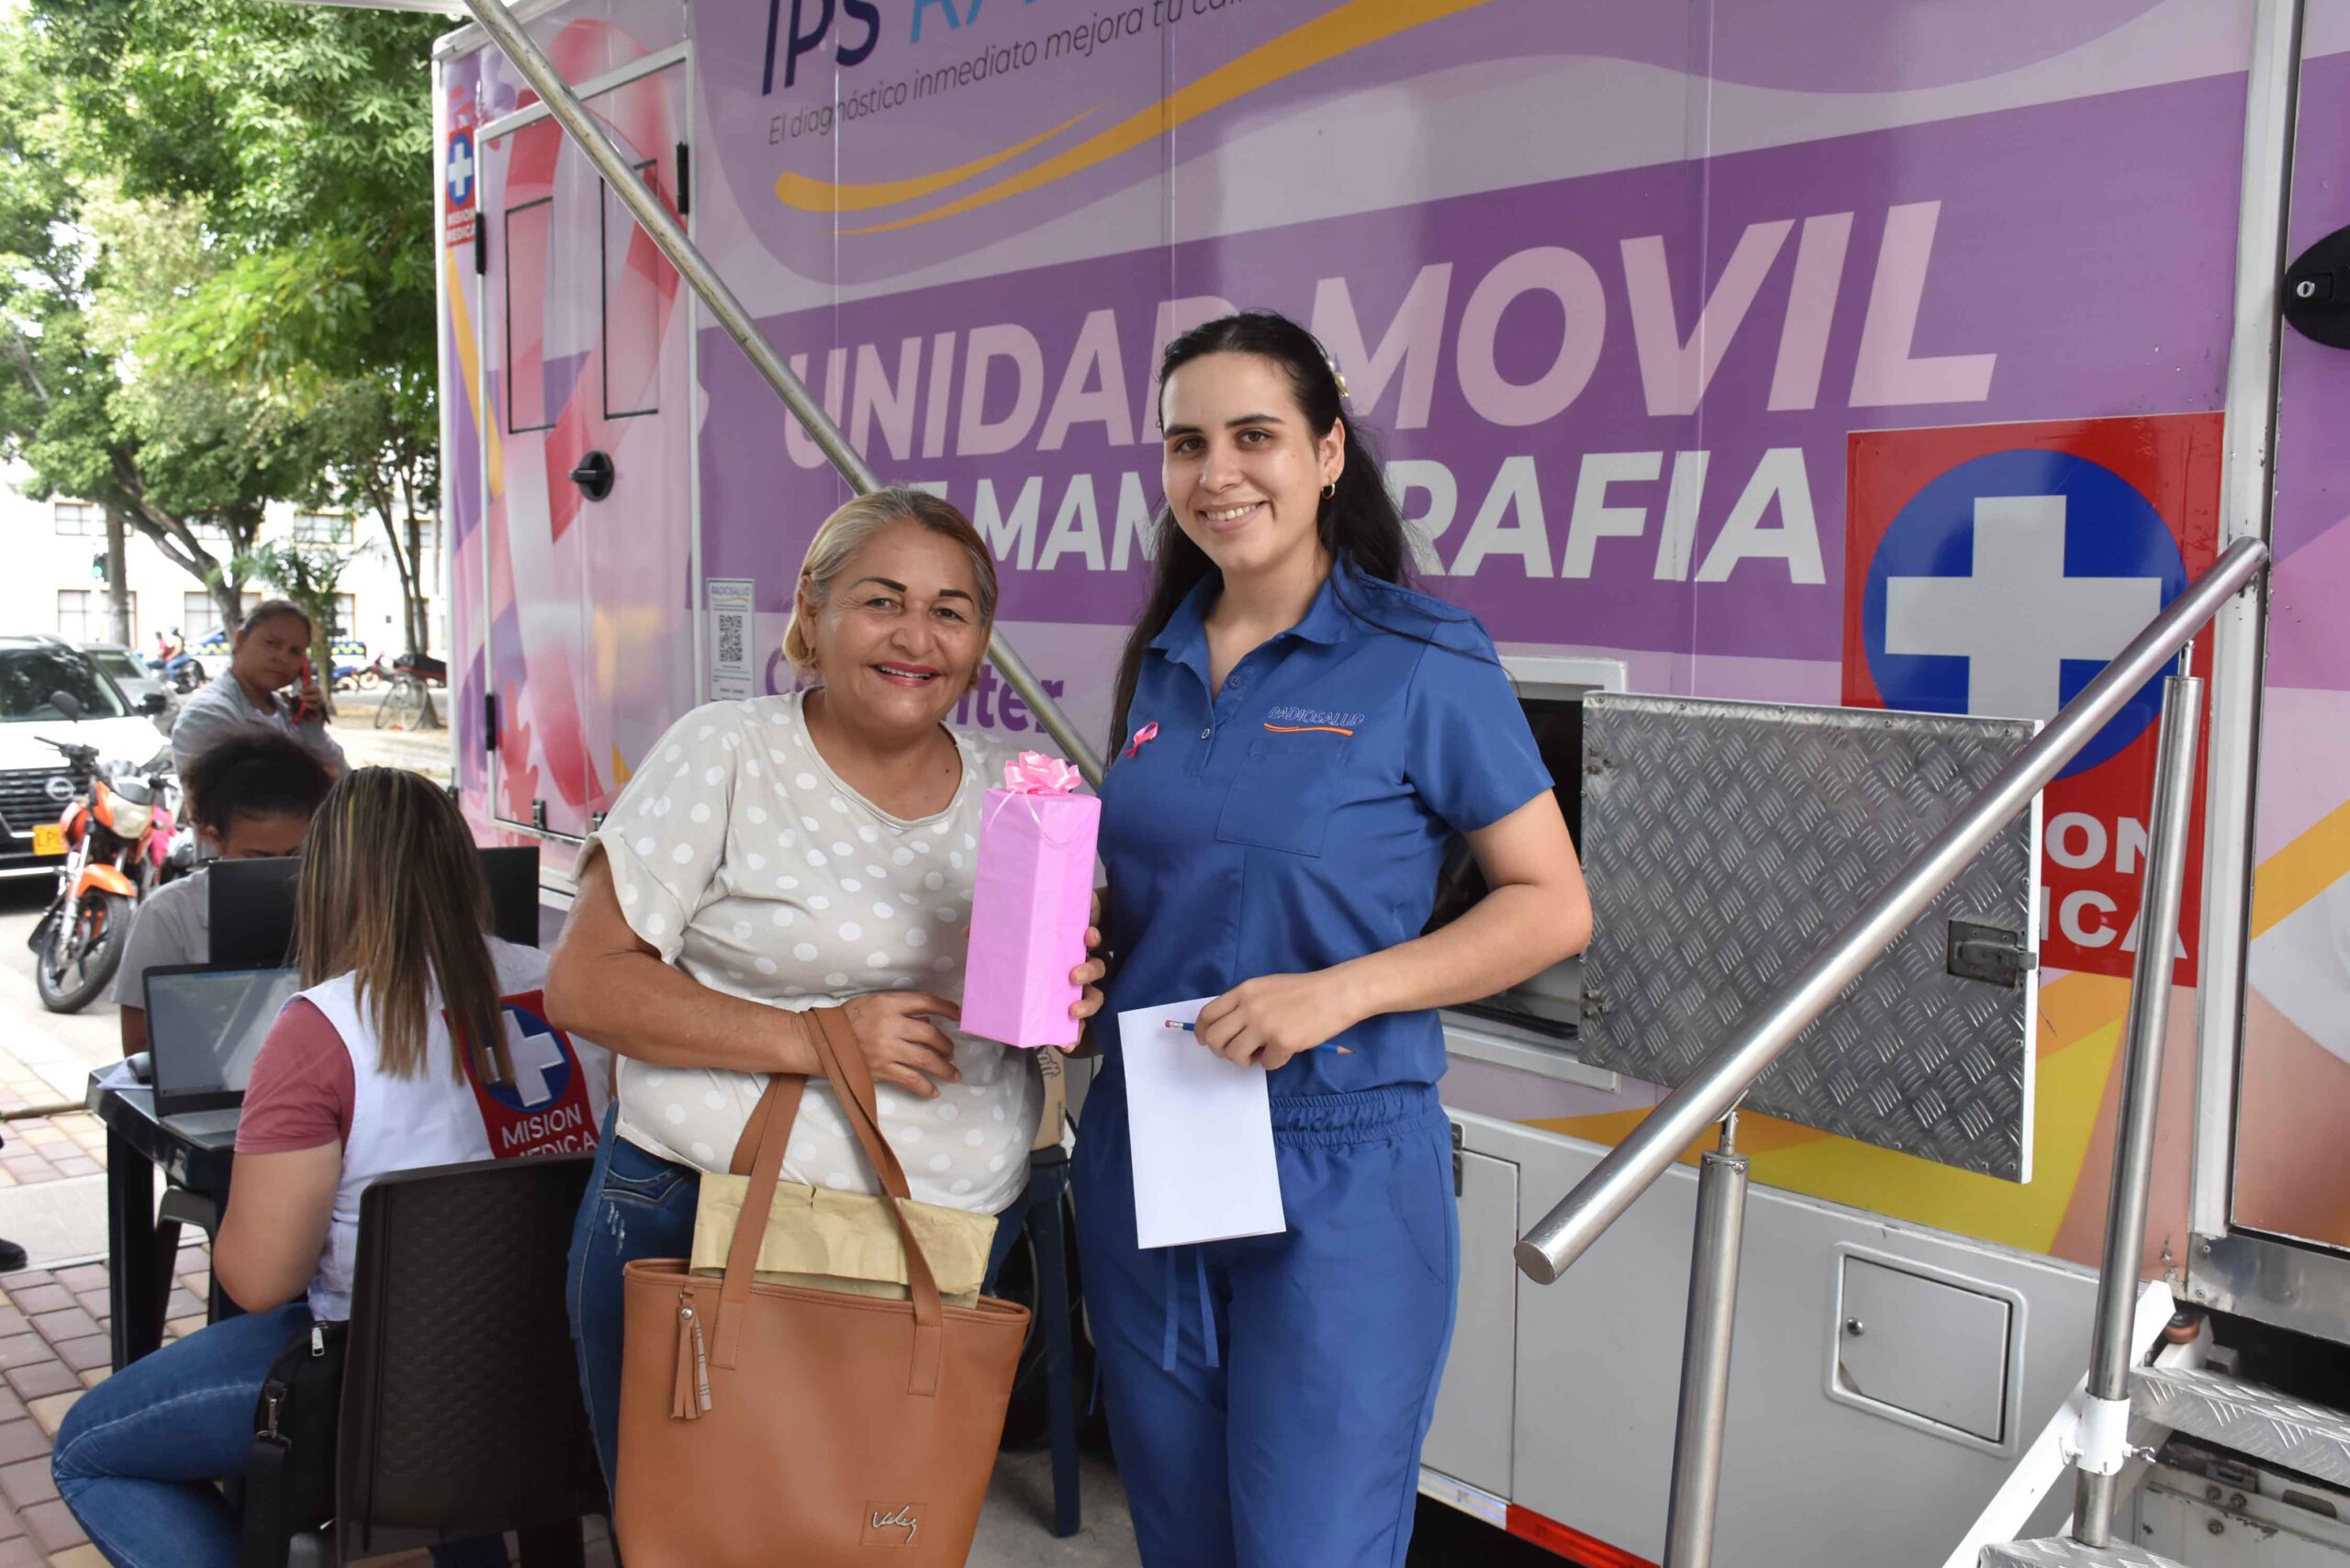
(461, 1410)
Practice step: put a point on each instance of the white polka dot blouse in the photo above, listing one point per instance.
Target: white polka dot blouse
(740, 856)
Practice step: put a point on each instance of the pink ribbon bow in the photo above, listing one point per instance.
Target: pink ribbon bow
(1035, 774)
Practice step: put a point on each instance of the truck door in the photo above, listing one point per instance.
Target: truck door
(586, 342)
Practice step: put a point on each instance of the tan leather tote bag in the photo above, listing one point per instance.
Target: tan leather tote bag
(771, 1423)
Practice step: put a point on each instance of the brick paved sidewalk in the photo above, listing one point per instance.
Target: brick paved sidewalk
(42, 1149)
(54, 1346)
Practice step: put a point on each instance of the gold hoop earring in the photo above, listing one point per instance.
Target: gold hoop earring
(1330, 489)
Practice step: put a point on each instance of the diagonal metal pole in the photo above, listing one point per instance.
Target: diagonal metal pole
(670, 236)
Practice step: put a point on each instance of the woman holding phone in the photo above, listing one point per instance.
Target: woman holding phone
(1299, 736)
(269, 654)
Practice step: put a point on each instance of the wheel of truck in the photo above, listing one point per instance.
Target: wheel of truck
(77, 964)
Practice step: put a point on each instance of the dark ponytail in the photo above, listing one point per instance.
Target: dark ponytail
(1360, 525)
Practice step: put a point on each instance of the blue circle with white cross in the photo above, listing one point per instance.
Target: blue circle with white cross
(2006, 584)
(542, 1067)
(461, 168)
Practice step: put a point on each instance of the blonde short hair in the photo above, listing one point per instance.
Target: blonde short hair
(846, 531)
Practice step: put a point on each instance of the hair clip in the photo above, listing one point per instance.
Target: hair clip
(1331, 365)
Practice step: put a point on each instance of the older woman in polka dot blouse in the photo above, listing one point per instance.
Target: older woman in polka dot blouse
(789, 851)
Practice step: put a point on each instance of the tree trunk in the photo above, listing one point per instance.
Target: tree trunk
(420, 632)
(229, 601)
(118, 584)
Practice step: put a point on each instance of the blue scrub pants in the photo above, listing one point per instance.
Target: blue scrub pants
(1268, 1395)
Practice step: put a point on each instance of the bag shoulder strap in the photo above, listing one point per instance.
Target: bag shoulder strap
(266, 1532)
(844, 1067)
(780, 1100)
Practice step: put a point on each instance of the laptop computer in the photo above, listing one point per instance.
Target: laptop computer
(205, 1027)
(251, 904)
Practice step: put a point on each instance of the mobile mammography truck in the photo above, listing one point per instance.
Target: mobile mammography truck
(1769, 355)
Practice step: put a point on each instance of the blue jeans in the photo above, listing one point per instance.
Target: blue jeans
(639, 1206)
(138, 1456)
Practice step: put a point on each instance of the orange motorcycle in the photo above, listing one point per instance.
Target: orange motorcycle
(116, 834)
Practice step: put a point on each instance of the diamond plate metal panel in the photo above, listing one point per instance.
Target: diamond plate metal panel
(2312, 1438)
(1725, 842)
(2063, 1552)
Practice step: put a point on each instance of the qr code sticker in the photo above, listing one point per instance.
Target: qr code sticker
(730, 638)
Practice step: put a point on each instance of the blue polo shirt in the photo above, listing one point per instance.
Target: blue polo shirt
(1298, 819)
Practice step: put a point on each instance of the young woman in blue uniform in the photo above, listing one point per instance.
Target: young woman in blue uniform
(1300, 736)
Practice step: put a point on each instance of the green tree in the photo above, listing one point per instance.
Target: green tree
(300, 137)
(85, 274)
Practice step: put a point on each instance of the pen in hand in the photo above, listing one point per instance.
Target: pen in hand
(1189, 1029)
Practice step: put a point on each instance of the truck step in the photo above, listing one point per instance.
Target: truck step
(2282, 1430)
(2063, 1552)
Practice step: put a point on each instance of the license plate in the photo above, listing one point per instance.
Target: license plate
(49, 838)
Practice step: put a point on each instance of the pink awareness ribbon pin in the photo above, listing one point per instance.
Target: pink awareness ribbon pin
(1147, 733)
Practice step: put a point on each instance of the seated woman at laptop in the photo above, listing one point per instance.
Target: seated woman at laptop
(251, 798)
(420, 1041)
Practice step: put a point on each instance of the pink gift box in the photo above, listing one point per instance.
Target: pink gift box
(1032, 901)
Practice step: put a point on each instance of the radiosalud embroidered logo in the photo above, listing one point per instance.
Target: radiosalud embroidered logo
(1318, 717)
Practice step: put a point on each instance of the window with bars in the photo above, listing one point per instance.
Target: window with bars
(199, 617)
(80, 519)
(321, 528)
(82, 615)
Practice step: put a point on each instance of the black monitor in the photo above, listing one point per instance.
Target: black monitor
(513, 874)
(252, 911)
(251, 905)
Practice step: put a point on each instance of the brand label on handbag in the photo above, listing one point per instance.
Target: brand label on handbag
(890, 1524)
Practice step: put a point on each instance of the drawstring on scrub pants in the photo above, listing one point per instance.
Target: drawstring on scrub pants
(1207, 1308)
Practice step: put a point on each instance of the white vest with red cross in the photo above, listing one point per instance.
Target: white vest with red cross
(440, 1117)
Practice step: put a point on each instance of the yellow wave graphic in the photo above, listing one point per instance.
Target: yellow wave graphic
(2080, 1029)
(2303, 869)
(1338, 31)
(825, 196)
(469, 367)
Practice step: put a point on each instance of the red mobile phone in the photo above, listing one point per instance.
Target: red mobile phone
(302, 694)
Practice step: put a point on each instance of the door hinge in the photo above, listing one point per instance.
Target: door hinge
(685, 179)
(481, 244)
(489, 721)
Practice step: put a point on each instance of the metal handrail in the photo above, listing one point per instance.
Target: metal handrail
(669, 236)
(2104, 1447)
(1633, 1166)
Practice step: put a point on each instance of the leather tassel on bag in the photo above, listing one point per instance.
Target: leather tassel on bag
(690, 1396)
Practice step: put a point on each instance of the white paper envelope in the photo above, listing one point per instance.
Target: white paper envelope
(1203, 1135)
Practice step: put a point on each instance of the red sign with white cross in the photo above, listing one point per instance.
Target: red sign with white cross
(460, 171)
(1994, 570)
